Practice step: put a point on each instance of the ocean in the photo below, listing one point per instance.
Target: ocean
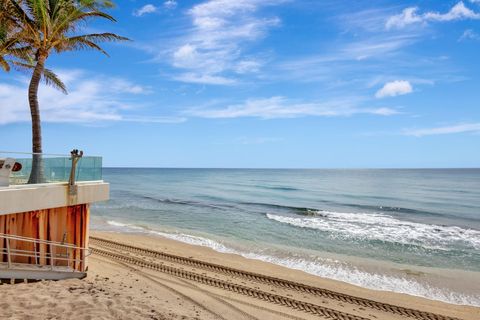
(414, 231)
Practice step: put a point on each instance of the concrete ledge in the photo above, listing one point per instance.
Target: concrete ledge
(23, 198)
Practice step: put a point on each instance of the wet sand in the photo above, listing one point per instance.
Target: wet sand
(116, 289)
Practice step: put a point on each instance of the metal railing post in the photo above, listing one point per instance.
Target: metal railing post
(75, 156)
(51, 256)
(9, 258)
(82, 262)
(35, 247)
(68, 258)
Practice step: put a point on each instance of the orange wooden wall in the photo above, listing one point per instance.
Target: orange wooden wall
(49, 224)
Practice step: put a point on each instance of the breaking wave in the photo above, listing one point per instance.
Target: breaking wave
(327, 268)
(377, 226)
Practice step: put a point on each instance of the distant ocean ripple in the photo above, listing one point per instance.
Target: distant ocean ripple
(408, 231)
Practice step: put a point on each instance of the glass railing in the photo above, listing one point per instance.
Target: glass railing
(54, 168)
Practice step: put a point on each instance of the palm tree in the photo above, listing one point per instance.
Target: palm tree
(42, 27)
(7, 42)
(19, 57)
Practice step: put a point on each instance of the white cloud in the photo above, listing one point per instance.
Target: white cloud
(458, 12)
(469, 34)
(458, 128)
(90, 99)
(407, 17)
(394, 88)
(170, 4)
(410, 16)
(350, 63)
(280, 107)
(247, 66)
(215, 44)
(204, 79)
(376, 47)
(146, 9)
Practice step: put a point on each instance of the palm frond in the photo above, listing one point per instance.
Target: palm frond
(51, 79)
(19, 13)
(88, 41)
(48, 76)
(74, 17)
(81, 44)
(96, 3)
(4, 64)
(103, 37)
(82, 16)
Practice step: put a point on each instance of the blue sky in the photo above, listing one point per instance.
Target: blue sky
(267, 83)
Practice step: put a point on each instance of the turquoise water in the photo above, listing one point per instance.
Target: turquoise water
(411, 231)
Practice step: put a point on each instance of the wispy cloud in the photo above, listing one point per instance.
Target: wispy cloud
(353, 65)
(213, 51)
(469, 34)
(90, 99)
(146, 9)
(170, 4)
(192, 77)
(150, 8)
(281, 107)
(458, 128)
(410, 16)
(394, 88)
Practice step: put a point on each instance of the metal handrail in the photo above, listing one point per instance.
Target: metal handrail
(17, 237)
(40, 153)
(69, 256)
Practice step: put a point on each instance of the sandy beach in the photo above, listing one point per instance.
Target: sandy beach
(121, 289)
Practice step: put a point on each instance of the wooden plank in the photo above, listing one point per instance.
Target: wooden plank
(50, 225)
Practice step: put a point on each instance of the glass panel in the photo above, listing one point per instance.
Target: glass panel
(56, 168)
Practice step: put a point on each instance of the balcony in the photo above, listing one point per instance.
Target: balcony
(56, 168)
(60, 187)
(44, 227)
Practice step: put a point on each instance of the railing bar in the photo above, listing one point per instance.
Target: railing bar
(29, 254)
(15, 252)
(52, 256)
(34, 153)
(29, 239)
(73, 260)
(33, 256)
(24, 253)
(56, 243)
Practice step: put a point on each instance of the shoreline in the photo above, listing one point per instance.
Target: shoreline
(128, 279)
(451, 286)
(156, 242)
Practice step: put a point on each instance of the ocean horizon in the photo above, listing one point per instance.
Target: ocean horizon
(414, 231)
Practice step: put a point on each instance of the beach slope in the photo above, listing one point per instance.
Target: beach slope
(167, 279)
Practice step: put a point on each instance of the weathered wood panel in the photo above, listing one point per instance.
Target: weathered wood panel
(65, 224)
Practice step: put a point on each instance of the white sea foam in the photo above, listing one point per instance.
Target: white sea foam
(124, 225)
(186, 238)
(327, 268)
(336, 270)
(375, 226)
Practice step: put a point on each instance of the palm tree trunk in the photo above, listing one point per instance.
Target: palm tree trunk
(37, 173)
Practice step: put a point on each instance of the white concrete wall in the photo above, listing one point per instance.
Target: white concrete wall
(25, 198)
